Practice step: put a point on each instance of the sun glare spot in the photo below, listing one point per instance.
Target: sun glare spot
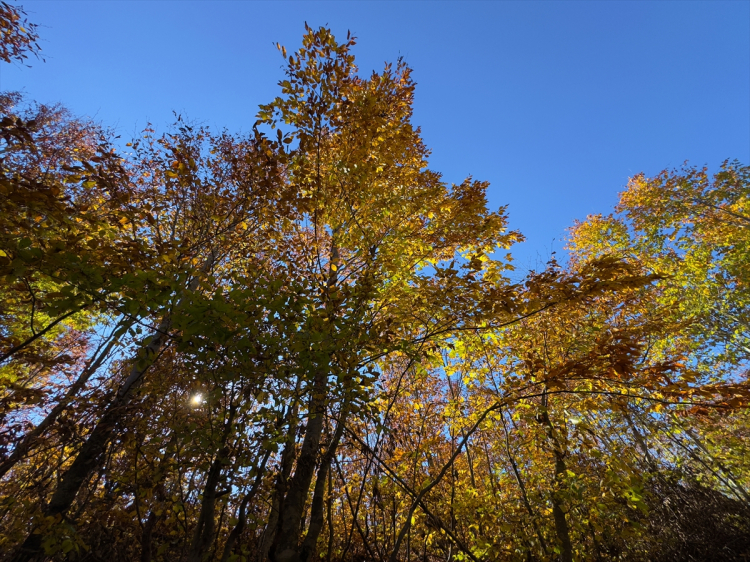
(197, 399)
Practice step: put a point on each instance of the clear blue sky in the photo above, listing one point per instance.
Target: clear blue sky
(555, 103)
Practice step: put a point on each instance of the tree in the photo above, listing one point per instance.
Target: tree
(299, 343)
(693, 229)
(19, 36)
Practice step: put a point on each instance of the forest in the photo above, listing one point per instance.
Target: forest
(301, 343)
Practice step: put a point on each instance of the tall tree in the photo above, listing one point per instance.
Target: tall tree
(299, 343)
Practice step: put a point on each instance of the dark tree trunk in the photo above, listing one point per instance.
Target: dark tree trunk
(242, 515)
(287, 461)
(90, 454)
(27, 442)
(148, 531)
(161, 496)
(558, 513)
(286, 543)
(205, 528)
(316, 511)
(92, 450)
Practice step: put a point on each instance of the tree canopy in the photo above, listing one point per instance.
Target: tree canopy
(301, 343)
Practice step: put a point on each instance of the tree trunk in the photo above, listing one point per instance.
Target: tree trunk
(242, 515)
(148, 530)
(558, 513)
(205, 527)
(287, 460)
(26, 443)
(92, 450)
(286, 542)
(286, 546)
(316, 511)
(161, 495)
(96, 443)
(522, 487)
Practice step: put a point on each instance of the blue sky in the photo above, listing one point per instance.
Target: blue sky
(555, 103)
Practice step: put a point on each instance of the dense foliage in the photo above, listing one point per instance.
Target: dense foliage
(300, 344)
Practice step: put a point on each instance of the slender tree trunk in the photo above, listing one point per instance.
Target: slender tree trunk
(561, 524)
(161, 495)
(316, 510)
(287, 461)
(286, 547)
(558, 513)
(738, 487)
(641, 443)
(329, 515)
(27, 442)
(147, 535)
(426, 489)
(234, 535)
(90, 453)
(364, 534)
(273, 523)
(204, 529)
(286, 542)
(522, 487)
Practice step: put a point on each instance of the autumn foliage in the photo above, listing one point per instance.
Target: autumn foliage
(300, 344)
